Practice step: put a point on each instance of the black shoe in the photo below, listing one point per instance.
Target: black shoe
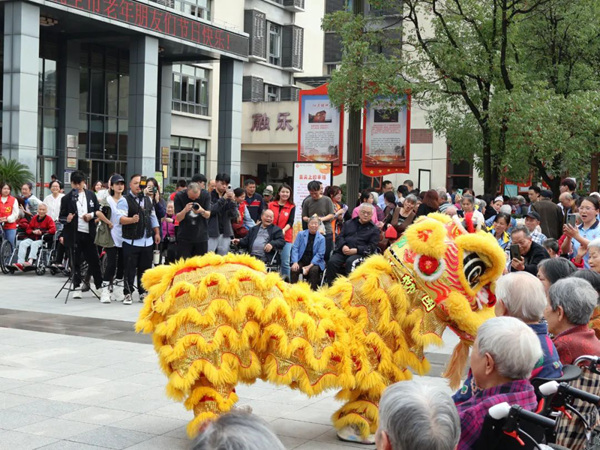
(85, 287)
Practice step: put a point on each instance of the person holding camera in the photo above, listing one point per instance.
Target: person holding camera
(524, 253)
(192, 211)
(223, 210)
(140, 233)
(78, 214)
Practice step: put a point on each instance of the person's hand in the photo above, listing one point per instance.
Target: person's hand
(147, 192)
(518, 264)
(339, 213)
(305, 270)
(110, 225)
(136, 218)
(61, 240)
(581, 251)
(268, 248)
(157, 238)
(188, 207)
(305, 218)
(570, 231)
(235, 241)
(70, 217)
(295, 267)
(87, 217)
(380, 225)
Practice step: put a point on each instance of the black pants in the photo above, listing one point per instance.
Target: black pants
(313, 277)
(328, 246)
(86, 250)
(336, 263)
(187, 249)
(169, 251)
(136, 260)
(114, 263)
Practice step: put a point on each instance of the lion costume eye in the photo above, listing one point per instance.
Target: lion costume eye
(473, 267)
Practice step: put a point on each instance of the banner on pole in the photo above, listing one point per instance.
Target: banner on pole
(304, 173)
(386, 136)
(320, 129)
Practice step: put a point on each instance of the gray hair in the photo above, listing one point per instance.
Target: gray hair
(566, 195)
(468, 198)
(595, 243)
(522, 228)
(556, 268)
(411, 198)
(521, 199)
(366, 205)
(506, 209)
(576, 297)
(375, 197)
(481, 203)
(237, 431)
(314, 217)
(512, 344)
(523, 296)
(194, 187)
(415, 415)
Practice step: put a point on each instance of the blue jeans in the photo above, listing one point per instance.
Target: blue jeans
(286, 252)
(10, 236)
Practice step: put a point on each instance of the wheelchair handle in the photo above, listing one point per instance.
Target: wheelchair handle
(504, 410)
(552, 387)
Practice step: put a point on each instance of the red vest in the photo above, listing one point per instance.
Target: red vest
(282, 216)
(242, 210)
(6, 209)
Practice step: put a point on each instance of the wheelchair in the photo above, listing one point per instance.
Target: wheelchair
(43, 260)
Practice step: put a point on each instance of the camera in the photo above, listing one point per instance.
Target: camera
(143, 182)
(196, 207)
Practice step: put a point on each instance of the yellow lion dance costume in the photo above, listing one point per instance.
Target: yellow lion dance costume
(218, 321)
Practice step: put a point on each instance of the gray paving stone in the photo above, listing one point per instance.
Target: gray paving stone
(68, 445)
(42, 390)
(297, 429)
(48, 408)
(111, 437)
(9, 400)
(57, 428)
(12, 440)
(162, 443)
(11, 420)
(150, 424)
(98, 415)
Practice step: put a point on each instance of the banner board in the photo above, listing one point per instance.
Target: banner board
(305, 172)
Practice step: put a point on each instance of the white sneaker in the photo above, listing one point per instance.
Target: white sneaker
(95, 290)
(77, 294)
(105, 295)
(117, 294)
(351, 434)
(127, 300)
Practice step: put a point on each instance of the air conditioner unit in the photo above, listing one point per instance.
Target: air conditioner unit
(277, 173)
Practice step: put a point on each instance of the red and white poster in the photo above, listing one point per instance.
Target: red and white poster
(321, 129)
(386, 136)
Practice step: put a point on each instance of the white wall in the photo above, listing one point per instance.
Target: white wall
(310, 20)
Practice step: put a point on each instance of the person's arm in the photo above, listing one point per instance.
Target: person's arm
(532, 266)
(51, 225)
(14, 214)
(290, 222)
(318, 258)
(277, 240)
(160, 210)
(294, 256)
(205, 196)
(248, 222)
(100, 215)
(330, 211)
(370, 244)
(123, 208)
(29, 229)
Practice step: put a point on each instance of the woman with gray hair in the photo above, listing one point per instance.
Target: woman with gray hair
(570, 305)
(503, 356)
(554, 269)
(522, 296)
(237, 431)
(413, 415)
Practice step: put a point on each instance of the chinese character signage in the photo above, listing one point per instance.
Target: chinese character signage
(320, 129)
(386, 136)
(165, 22)
(262, 122)
(304, 173)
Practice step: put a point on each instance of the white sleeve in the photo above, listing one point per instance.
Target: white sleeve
(14, 215)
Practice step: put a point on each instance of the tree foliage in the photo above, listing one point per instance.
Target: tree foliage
(14, 173)
(513, 84)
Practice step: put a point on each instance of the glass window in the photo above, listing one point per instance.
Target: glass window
(110, 147)
(190, 89)
(274, 44)
(272, 93)
(123, 95)
(97, 89)
(96, 149)
(188, 157)
(112, 90)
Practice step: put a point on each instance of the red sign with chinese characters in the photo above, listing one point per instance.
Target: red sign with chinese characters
(165, 22)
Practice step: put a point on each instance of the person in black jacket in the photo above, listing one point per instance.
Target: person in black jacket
(264, 239)
(358, 239)
(531, 253)
(77, 213)
(222, 209)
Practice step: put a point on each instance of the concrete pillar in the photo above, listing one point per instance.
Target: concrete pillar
(143, 107)
(166, 96)
(230, 119)
(20, 96)
(68, 89)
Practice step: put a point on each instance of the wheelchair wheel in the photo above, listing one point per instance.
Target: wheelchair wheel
(5, 256)
(53, 271)
(40, 269)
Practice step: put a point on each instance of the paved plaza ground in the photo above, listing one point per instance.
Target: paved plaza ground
(76, 376)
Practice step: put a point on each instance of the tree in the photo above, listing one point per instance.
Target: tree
(478, 69)
(14, 173)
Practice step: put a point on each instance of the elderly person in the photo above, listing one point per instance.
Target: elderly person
(531, 253)
(532, 222)
(359, 238)
(571, 303)
(503, 356)
(366, 197)
(554, 269)
(308, 254)
(522, 296)
(237, 431)
(263, 240)
(38, 226)
(413, 415)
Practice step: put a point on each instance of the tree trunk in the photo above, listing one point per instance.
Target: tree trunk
(594, 173)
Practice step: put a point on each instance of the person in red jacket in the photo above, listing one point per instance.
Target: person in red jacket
(283, 209)
(39, 225)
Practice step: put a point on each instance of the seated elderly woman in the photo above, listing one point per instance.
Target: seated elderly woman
(594, 279)
(413, 415)
(237, 431)
(521, 295)
(571, 303)
(554, 269)
(503, 356)
(308, 254)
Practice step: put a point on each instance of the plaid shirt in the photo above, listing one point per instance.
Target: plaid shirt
(473, 411)
(538, 237)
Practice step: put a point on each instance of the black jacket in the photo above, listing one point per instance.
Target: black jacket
(363, 237)
(68, 205)
(535, 254)
(221, 213)
(276, 239)
(551, 217)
